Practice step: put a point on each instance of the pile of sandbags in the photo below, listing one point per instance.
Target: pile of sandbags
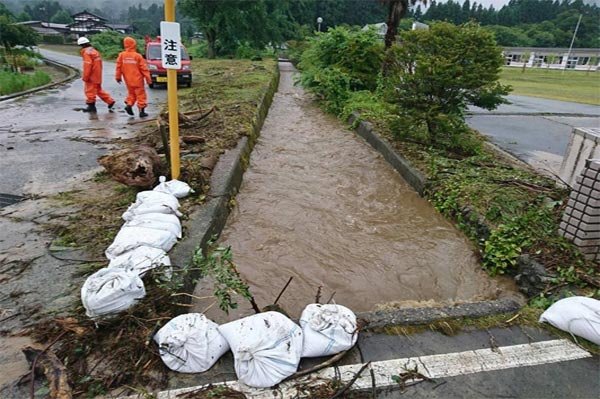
(267, 347)
(151, 229)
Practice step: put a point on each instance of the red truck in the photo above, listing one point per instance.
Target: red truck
(153, 55)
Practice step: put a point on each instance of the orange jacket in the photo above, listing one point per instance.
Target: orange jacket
(92, 65)
(132, 66)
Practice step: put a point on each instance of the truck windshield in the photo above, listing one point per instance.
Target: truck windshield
(154, 53)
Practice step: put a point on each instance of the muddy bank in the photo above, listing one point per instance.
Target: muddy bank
(320, 205)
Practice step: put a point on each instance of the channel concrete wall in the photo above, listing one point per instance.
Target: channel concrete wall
(581, 220)
(584, 145)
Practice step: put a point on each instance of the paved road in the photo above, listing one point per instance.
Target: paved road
(45, 143)
(535, 130)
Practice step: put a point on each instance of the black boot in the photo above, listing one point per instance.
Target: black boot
(110, 106)
(143, 112)
(128, 109)
(91, 107)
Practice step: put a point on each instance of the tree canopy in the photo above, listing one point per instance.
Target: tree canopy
(539, 23)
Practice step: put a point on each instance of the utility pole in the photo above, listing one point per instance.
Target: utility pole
(572, 41)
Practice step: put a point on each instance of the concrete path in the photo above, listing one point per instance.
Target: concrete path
(535, 130)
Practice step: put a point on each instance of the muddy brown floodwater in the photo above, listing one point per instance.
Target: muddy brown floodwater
(317, 203)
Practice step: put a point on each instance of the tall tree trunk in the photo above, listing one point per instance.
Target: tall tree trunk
(211, 38)
(396, 10)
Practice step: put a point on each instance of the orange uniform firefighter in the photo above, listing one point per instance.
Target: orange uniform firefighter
(92, 76)
(132, 67)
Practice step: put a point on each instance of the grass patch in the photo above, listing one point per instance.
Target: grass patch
(576, 86)
(12, 82)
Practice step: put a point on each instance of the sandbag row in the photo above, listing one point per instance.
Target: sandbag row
(151, 229)
(267, 347)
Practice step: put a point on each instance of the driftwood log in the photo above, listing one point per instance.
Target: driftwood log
(42, 360)
(138, 167)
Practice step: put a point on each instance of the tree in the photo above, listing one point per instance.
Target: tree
(43, 10)
(437, 73)
(12, 35)
(4, 11)
(228, 24)
(61, 17)
(396, 11)
(23, 16)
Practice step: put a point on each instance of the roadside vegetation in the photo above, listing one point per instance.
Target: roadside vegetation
(18, 66)
(576, 86)
(418, 104)
(219, 109)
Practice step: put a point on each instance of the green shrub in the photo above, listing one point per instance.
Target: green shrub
(110, 43)
(339, 62)
(53, 39)
(198, 50)
(435, 74)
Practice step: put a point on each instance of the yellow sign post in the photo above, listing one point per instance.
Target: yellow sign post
(172, 100)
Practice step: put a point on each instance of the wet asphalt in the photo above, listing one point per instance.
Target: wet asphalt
(46, 143)
(535, 130)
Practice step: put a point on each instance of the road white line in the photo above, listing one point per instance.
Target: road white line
(433, 366)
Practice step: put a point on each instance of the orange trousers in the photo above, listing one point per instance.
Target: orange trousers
(93, 90)
(136, 94)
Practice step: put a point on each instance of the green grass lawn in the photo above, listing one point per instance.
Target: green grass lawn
(11, 82)
(575, 86)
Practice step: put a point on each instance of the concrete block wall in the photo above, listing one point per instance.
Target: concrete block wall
(581, 220)
(584, 145)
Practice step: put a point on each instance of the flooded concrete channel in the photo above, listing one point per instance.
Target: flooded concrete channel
(317, 203)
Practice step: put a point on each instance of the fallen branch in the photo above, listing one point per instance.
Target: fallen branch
(283, 290)
(318, 367)
(318, 297)
(352, 381)
(55, 371)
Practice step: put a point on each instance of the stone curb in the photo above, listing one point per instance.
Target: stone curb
(72, 73)
(428, 315)
(365, 130)
(208, 221)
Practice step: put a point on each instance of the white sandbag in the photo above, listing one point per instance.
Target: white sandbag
(267, 348)
(174, 187)
(155, 224)
(577, 315)
(159, 217)
(327, 330)
(110, 291)
(190, 343)
(142, 208)
(130, 238)
(157, 197)
(142, 259)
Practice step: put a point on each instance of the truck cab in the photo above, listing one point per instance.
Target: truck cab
(153, 55)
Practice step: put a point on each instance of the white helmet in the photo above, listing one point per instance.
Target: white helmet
(82, 40)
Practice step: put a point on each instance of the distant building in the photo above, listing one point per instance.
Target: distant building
(46, 28)
(583, 59)
(84, 23)
(380, 28)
